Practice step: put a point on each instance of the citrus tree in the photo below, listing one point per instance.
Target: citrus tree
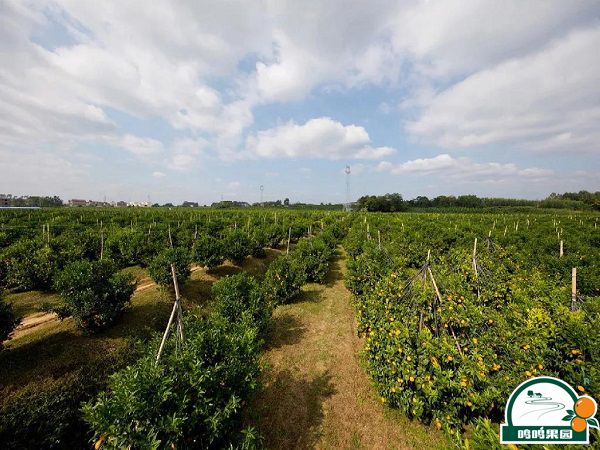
(94, 293)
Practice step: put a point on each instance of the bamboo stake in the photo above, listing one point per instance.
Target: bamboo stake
(176, 310)
(439, 296)
(561, 248)
(573, 288)
(101, 242)
(474, 261)
(287, 252)
(178, 301)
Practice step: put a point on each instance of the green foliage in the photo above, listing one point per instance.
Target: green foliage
(454, 359)
(274, 234)
(8, 321)
(48, 414)
(236, 246)
(312, 255)
(239, 297)
(129, 247)
(30, 265)
(283, 281)
(76, 245)
(367, 268)
(160, 267)
(258, 241)
(95, 294)
(207, 251)
(192, 398)
(382, 203)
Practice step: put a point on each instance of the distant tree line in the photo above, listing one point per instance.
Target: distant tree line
(395, 203)
(382, 203)
(588, 198)
(30, 201)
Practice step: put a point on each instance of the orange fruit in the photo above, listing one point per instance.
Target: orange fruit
(585, 407)
(578, 424)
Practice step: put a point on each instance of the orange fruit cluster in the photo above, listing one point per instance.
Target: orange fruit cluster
(584, 408)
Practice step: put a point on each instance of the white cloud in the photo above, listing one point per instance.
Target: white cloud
(141, 146)
(186, 154)
(458, 168)
(446, 38)
(321, 138)
(547, 100)
(480, 74)
(158, 174)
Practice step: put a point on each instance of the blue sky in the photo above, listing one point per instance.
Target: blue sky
(207, 100)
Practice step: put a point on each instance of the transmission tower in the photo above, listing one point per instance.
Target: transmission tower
(262, 188)
(347, 172)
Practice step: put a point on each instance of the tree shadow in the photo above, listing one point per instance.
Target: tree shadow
(224, 270)
(61, 347)
(288, 411)
(198, 291)
(312, 293)
(335, 270)
(284, 330)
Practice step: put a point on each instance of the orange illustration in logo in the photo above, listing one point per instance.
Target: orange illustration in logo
(585, 408)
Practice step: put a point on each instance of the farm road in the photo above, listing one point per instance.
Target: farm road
(316, 393)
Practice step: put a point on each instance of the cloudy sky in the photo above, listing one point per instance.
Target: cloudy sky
(201, 100)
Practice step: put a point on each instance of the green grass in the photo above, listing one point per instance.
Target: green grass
(30, 302)
(138, 272)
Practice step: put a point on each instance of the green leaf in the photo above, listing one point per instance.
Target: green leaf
(593, 423)
(570, 412)
(567, 417)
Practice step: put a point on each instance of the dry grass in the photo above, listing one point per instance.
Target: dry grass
(316, 394)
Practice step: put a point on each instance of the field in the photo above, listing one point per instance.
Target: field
(304, 328)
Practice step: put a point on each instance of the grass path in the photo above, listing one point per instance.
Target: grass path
(317, 394)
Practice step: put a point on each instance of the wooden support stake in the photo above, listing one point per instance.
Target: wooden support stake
(379, 239)
(175, 311)
(561, 248)
(439, 296)
(287, 252)
(474, 261)
(573, 288)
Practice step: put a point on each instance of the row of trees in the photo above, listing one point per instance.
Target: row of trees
(31, 201)
(194, 395)
(381, 203)
(395, 203)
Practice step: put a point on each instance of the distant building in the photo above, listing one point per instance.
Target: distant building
(5, 201)
(78, 202)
